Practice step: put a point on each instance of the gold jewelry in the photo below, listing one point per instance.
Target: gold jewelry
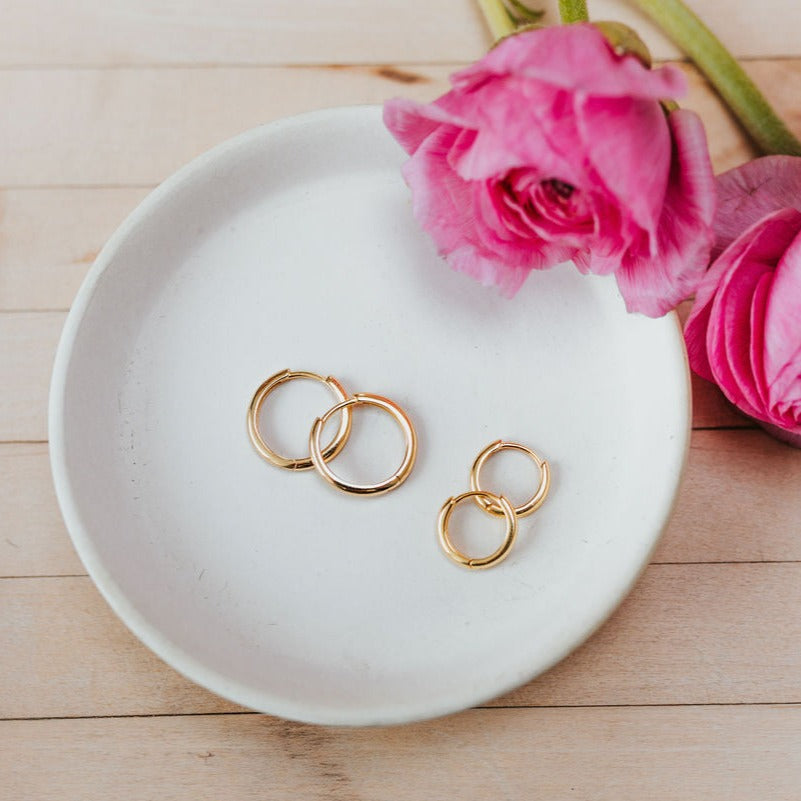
(493, 504)
(398, 477)
(534, 502)
(492, 500)
(260, 396)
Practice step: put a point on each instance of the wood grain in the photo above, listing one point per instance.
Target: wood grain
(49, 239)
(688, 634)
(739, 501)
(135, 126)
(723, 513)
(92, 32)
(715, 754)
(33, 541)
(691, 634)
(63, 644)
(27, 347)
(105, 100)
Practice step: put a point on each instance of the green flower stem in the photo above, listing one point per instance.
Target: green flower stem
(747, 103)
(497, 17)
(573, 11)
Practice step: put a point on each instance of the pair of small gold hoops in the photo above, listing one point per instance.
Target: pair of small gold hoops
(493, 504)
(319, 455)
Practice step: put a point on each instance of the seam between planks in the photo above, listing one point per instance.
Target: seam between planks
(205, 65)
(487, 707)
(35, 576)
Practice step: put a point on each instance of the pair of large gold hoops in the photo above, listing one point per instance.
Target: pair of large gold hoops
(319, 456)
(493, 504)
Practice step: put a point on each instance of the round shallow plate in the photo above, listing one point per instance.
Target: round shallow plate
(293, 246)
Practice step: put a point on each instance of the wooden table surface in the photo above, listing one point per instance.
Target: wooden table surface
(691, 691)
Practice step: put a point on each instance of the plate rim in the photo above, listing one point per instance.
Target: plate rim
(177, 658)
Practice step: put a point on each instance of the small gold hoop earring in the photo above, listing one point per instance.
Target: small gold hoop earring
(485, 561)
(260, 396)
(398, 477)
(534, 502)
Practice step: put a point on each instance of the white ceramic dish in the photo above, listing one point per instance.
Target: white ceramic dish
(293, 245)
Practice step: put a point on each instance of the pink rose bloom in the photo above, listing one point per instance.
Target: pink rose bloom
(744, 332)
(553, 147)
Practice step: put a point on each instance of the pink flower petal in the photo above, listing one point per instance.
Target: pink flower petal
(692, 195)
(553, 146)
(695, 335)
(698, 322)
(724, 332)
(412, 123)
(783, 324)
(487, 270)
(441, 200)
(654, 284)
(615, 133)
(757, 345)
(515, 244)
(576, 57)
(730, 334)
(488, 157)
(522, 122)
(748, 192)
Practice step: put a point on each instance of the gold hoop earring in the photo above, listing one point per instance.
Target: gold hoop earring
(398, 477)
(261, 394)
(533, 503)
(485, 561)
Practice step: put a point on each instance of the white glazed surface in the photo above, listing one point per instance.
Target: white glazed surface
(294, 246)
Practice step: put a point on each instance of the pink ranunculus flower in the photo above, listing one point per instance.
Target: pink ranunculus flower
(554, 147)
(744, 331)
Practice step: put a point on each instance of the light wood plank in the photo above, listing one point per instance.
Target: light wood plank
(90, 32)
(135, 127)
(739, 502)
(727, 144)
(33, 541)
(318, 32)
(123, 127)
(49, 239)
(715, 754)
(27, 347)
(687, 634)
(65, 651)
